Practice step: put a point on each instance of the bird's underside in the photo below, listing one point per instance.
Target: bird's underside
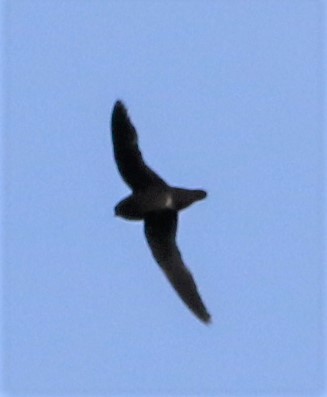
(159, 210)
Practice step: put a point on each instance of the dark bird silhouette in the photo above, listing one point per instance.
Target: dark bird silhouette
(157, 203)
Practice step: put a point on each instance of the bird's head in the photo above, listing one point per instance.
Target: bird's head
(128, 209)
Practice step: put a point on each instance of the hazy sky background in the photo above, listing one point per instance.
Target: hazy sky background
(226, 96)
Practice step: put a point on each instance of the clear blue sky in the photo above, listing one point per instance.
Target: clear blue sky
(226, 96)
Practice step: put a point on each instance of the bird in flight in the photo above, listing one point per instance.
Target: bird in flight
(157, 204)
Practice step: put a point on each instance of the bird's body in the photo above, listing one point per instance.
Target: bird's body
(138, 204)
(157, 204)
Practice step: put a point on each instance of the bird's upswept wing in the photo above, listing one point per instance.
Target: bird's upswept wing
(127, 153)
(160, 230)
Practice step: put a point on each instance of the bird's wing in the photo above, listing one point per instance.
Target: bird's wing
(127, 153)
(160, 231)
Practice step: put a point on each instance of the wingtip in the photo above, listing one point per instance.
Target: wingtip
(207, 319)
(201, 313)
(119, 104)
(119, 113)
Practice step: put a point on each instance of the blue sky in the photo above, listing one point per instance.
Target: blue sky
(226, 96)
